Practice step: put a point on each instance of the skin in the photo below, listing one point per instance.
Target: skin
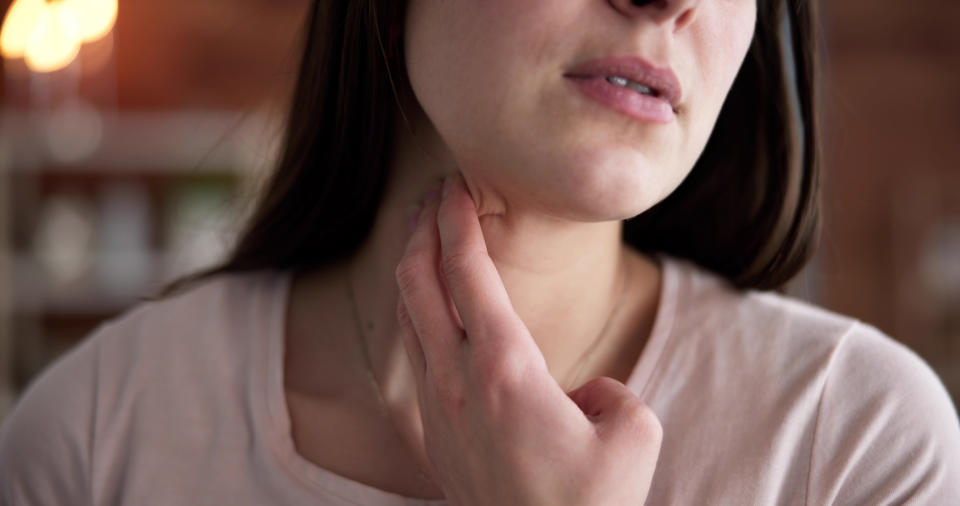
(544, 176)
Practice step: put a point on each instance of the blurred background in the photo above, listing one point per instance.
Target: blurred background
(132, 135)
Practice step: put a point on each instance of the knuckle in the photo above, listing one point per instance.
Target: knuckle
(409, 272)
(451, 396)
(402, 316)
(642, 421)
(500, 379)
(499, 366)
(459, 264)
(607, 383)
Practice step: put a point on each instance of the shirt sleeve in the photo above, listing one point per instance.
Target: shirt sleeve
(886, 431)
(46, 441)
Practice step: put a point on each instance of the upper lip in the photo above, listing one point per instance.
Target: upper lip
(662, 80)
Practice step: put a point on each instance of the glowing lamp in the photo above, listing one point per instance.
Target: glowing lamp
(55, 40)
(48, 34)
(95, 18)
(18, 26)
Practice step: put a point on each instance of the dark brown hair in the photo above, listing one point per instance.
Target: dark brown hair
(748, 210)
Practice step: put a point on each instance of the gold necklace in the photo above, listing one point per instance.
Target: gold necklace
(588, 354)
(361, 341)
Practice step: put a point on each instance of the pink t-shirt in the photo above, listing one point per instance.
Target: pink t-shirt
(763, 400)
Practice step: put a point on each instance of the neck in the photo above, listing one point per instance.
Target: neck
(564, 278)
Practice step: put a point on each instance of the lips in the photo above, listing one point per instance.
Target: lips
(662, 81)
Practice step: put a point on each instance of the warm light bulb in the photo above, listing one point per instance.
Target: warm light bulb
(55, 40)
(19, 25)
(95, 18)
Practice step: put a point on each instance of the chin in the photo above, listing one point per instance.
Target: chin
(615, 186)
(612, 200)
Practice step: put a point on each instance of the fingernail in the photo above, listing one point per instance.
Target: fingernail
(431, 196)
(447, 184)
(413, 216)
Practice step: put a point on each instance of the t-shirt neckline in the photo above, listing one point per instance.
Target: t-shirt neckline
(278, 425)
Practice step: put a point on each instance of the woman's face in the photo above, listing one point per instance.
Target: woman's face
(496, 79)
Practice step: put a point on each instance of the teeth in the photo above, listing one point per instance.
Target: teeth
(633, 85)
(619, 81)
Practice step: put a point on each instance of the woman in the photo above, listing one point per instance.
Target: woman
(509, 339)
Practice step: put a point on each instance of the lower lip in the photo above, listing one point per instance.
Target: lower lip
(624, 100)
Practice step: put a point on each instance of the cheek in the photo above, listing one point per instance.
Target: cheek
(453, 50)
(477, 60)
(719, 48)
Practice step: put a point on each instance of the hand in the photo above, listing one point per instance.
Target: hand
(498, 429)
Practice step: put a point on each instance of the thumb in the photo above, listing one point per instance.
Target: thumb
(614, 407)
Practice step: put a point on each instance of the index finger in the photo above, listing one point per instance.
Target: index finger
(471, 276)
(424, 298)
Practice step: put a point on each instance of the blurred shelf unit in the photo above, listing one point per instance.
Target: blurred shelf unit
(83, 238)
(105, 208)
(77, 136)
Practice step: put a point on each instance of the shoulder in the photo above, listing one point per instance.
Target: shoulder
(191, 344)
(139, 362)
(878, 422)
(886, 429)
(211, 317)
(205, 302)
(762, 328)
(780, 334)
(45, 442)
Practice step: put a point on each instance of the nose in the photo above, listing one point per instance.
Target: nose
(679, 12)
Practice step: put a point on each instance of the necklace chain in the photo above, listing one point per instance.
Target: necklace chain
(588, 353)
(362, 342)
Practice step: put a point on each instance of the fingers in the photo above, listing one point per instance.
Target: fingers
(616, 410)
(470, 274)
(411, 343)
(425, 314)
